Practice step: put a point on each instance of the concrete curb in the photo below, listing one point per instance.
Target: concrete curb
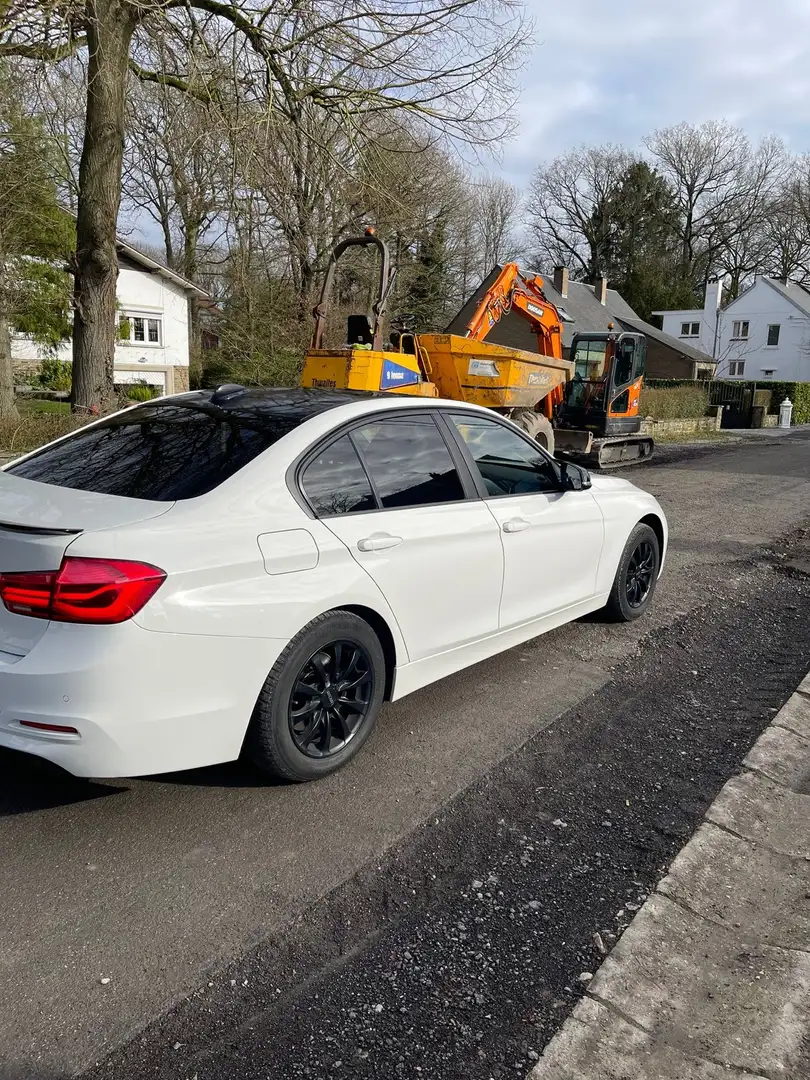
(711, 980)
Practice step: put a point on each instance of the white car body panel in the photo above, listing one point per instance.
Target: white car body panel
(413, 677)
(440, 555)
(551, 563)
(248, 567)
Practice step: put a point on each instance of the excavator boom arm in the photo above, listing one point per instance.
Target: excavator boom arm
(514, 291)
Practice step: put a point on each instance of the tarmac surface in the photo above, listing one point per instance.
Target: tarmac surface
(432, 906)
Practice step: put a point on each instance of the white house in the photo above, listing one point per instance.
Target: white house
(762, 335)
(153, 308)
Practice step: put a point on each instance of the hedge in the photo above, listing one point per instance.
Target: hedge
(681, 402)
(798, 392)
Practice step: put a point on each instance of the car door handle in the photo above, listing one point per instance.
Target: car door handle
(378, 542)
(515, 525)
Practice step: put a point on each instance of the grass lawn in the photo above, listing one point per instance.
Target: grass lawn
(39, 406)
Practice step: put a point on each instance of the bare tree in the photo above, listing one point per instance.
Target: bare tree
(566, 207)
(703, 164)
(430, 58)
(740, 223)
(496, 206)
(57, 95)
(788, 224)
(176, 169)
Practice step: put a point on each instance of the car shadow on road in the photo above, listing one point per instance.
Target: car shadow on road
(231, 774)
(28, 784)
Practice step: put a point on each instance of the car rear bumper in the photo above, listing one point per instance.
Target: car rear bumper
(141, 702)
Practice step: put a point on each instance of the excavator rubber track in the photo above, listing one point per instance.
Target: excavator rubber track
(614, 452)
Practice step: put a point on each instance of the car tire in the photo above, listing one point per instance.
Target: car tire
(335, 650)
(637, 576)
(536, 425)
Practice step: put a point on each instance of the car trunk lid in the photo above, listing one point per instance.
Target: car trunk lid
(38, 522)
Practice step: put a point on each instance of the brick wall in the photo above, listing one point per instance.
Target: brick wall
(26, 371)
(180, 379)
(664, 362)
(681, 427)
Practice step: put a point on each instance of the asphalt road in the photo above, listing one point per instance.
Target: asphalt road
(194, 883)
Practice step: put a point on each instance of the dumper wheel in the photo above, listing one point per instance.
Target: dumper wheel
(536, 425)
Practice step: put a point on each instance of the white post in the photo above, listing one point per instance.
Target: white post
(785, 413)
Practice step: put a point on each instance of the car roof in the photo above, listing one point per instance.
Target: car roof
(299, 404)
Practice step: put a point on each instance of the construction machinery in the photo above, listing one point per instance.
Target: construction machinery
(585, 408)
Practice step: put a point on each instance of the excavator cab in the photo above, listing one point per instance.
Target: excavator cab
(603, 393)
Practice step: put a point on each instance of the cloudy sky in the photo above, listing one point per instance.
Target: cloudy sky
(614, 70)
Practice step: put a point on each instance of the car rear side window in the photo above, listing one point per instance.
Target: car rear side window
(409, 462)
(336, 482)
(157, 452)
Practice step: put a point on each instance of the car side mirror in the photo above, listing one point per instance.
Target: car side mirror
(573, 477)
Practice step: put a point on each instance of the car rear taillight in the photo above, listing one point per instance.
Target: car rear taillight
(82, 590)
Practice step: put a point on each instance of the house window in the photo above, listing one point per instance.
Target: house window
(737, 367)
(143, 330)
(690, 329)
(739, 329)
(773, 334)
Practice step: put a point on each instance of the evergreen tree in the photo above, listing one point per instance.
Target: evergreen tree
(36, 236)
(642, 247)
(429, 285)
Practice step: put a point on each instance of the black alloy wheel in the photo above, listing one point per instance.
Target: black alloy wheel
(636, 575)
(331, 698)
(321, 700)
(640, 573)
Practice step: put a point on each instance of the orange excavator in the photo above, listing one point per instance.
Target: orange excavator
(586, 406)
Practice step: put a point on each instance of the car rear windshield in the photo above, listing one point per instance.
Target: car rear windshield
(160, 452)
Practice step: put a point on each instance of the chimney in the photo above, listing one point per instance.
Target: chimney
(600, 290)
(712, 300)
(561, 281)
(711, 311)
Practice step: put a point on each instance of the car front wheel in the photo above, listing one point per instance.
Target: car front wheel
(320, 702)
(636, 577)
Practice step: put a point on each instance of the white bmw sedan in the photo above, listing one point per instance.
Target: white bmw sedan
(258, 571)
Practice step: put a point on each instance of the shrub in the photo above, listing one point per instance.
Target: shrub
(141, 391)
(674, 403)
(55, 374)
(282, 368)
(799, 394)
(35, 429)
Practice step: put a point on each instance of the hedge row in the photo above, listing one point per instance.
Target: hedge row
(682, 402)
(798, 392)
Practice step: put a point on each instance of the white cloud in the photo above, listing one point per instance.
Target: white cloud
(613, 71)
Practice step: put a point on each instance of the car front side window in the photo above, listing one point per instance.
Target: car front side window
(507, 463)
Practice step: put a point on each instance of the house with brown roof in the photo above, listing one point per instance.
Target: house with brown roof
(591, 308)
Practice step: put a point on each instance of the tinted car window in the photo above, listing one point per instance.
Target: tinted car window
(336, 483)
(160, 452)
(508, 463)
(409, 462)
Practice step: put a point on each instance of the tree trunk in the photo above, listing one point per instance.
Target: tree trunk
(189, 271)
(110, 25)
(8, 406)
